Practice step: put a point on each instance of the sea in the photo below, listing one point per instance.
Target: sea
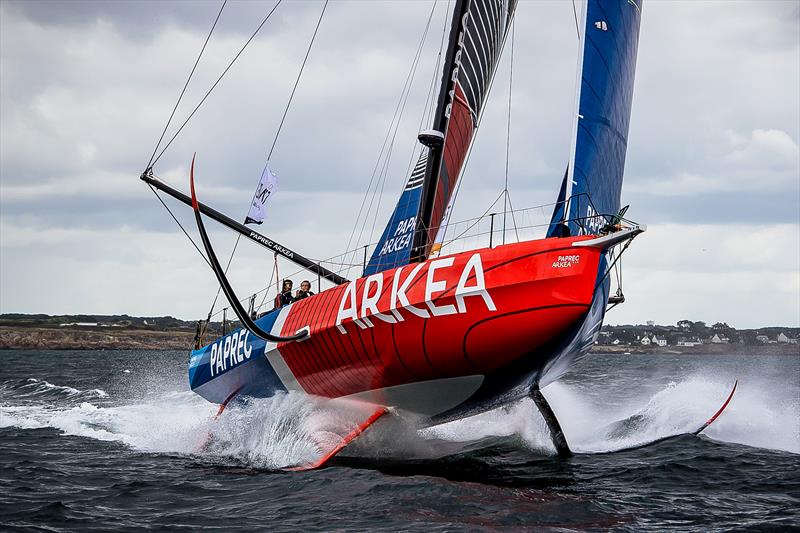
(114, 440)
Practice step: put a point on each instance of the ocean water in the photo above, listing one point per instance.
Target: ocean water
(114, 440)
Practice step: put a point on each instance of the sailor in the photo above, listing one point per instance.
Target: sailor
(285, 296)
(304, 291)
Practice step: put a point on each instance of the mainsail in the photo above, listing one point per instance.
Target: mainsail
(592, 185)
(477, 34)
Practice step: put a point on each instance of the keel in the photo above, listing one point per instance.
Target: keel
(556, 433)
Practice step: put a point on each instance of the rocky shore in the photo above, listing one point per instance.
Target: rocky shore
(12, 338)
(65, 338)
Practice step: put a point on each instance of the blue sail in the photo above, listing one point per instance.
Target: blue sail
(394, 247)
(590, 193)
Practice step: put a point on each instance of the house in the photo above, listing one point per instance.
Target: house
(763, 339)
(688, 343)
(659, 342)
(615, 342)
(716, 339)
(645, 341)
(782, 338)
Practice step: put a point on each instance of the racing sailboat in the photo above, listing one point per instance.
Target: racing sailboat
(447, 336)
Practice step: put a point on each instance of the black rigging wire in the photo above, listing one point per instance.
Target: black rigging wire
(383, 147)
(384, 173)
(264, 21)
(179, 224)
(274, 141)
(185, 85)
(575, 14)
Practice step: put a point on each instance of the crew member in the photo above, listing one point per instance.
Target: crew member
(304, 291)
(285, 296)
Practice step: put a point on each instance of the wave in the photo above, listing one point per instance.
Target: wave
(39, 389)
(290, 429)
(753, 418)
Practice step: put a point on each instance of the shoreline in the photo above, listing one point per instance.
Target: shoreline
(43, 338)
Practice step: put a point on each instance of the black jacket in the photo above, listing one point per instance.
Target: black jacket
(284, 298)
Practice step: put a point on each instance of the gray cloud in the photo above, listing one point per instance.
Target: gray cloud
(86, 87)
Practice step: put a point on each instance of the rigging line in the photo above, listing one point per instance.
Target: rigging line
(194, 67)
(269, 284)
(577, 25)
(439, 60)
(179, 224)
(472, 144)
(385, 172)
(477, 220)
(297, 82)
(428, 104)
(383, 147)
(264, 21)
(508, 129)
(277, 134)
(392, 132)
(513, 217)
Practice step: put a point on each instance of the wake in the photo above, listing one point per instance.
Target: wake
(290, 429)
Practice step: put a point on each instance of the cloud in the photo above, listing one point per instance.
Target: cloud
(85, 88)
(769, 160)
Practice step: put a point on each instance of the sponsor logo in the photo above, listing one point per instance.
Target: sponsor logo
(566, 261)
(229, 352)
(457, 64)
(362, 308)
(401, 238)
(271, 244)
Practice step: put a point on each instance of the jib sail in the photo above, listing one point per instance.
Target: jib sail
(478, 31)
(593, 182)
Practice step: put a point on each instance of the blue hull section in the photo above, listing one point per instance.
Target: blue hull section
(235, 364)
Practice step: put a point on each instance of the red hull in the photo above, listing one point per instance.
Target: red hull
(466, 314)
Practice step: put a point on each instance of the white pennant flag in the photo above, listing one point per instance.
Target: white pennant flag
(267, 186)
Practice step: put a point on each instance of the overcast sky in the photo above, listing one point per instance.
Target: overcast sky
(713, 163)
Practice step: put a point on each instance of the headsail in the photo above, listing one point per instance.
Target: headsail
(477, 34)
(593, 183)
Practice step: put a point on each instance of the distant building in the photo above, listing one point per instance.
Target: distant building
(763, 339)
(689, 343)
(782, 339)
(716, 339)
(615, 342)
(659, 342)
(651, 323)
(645, 341)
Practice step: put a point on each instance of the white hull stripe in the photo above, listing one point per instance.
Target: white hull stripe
(275, 358)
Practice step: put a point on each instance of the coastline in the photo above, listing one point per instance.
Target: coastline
(40, 338)
(44, 338)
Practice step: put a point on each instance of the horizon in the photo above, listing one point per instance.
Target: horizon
(713, 161)
(605, 323)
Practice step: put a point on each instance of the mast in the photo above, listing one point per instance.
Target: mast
(477, 33)
(440, 119)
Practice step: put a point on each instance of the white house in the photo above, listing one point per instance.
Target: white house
(645, 341)
(660, 342)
